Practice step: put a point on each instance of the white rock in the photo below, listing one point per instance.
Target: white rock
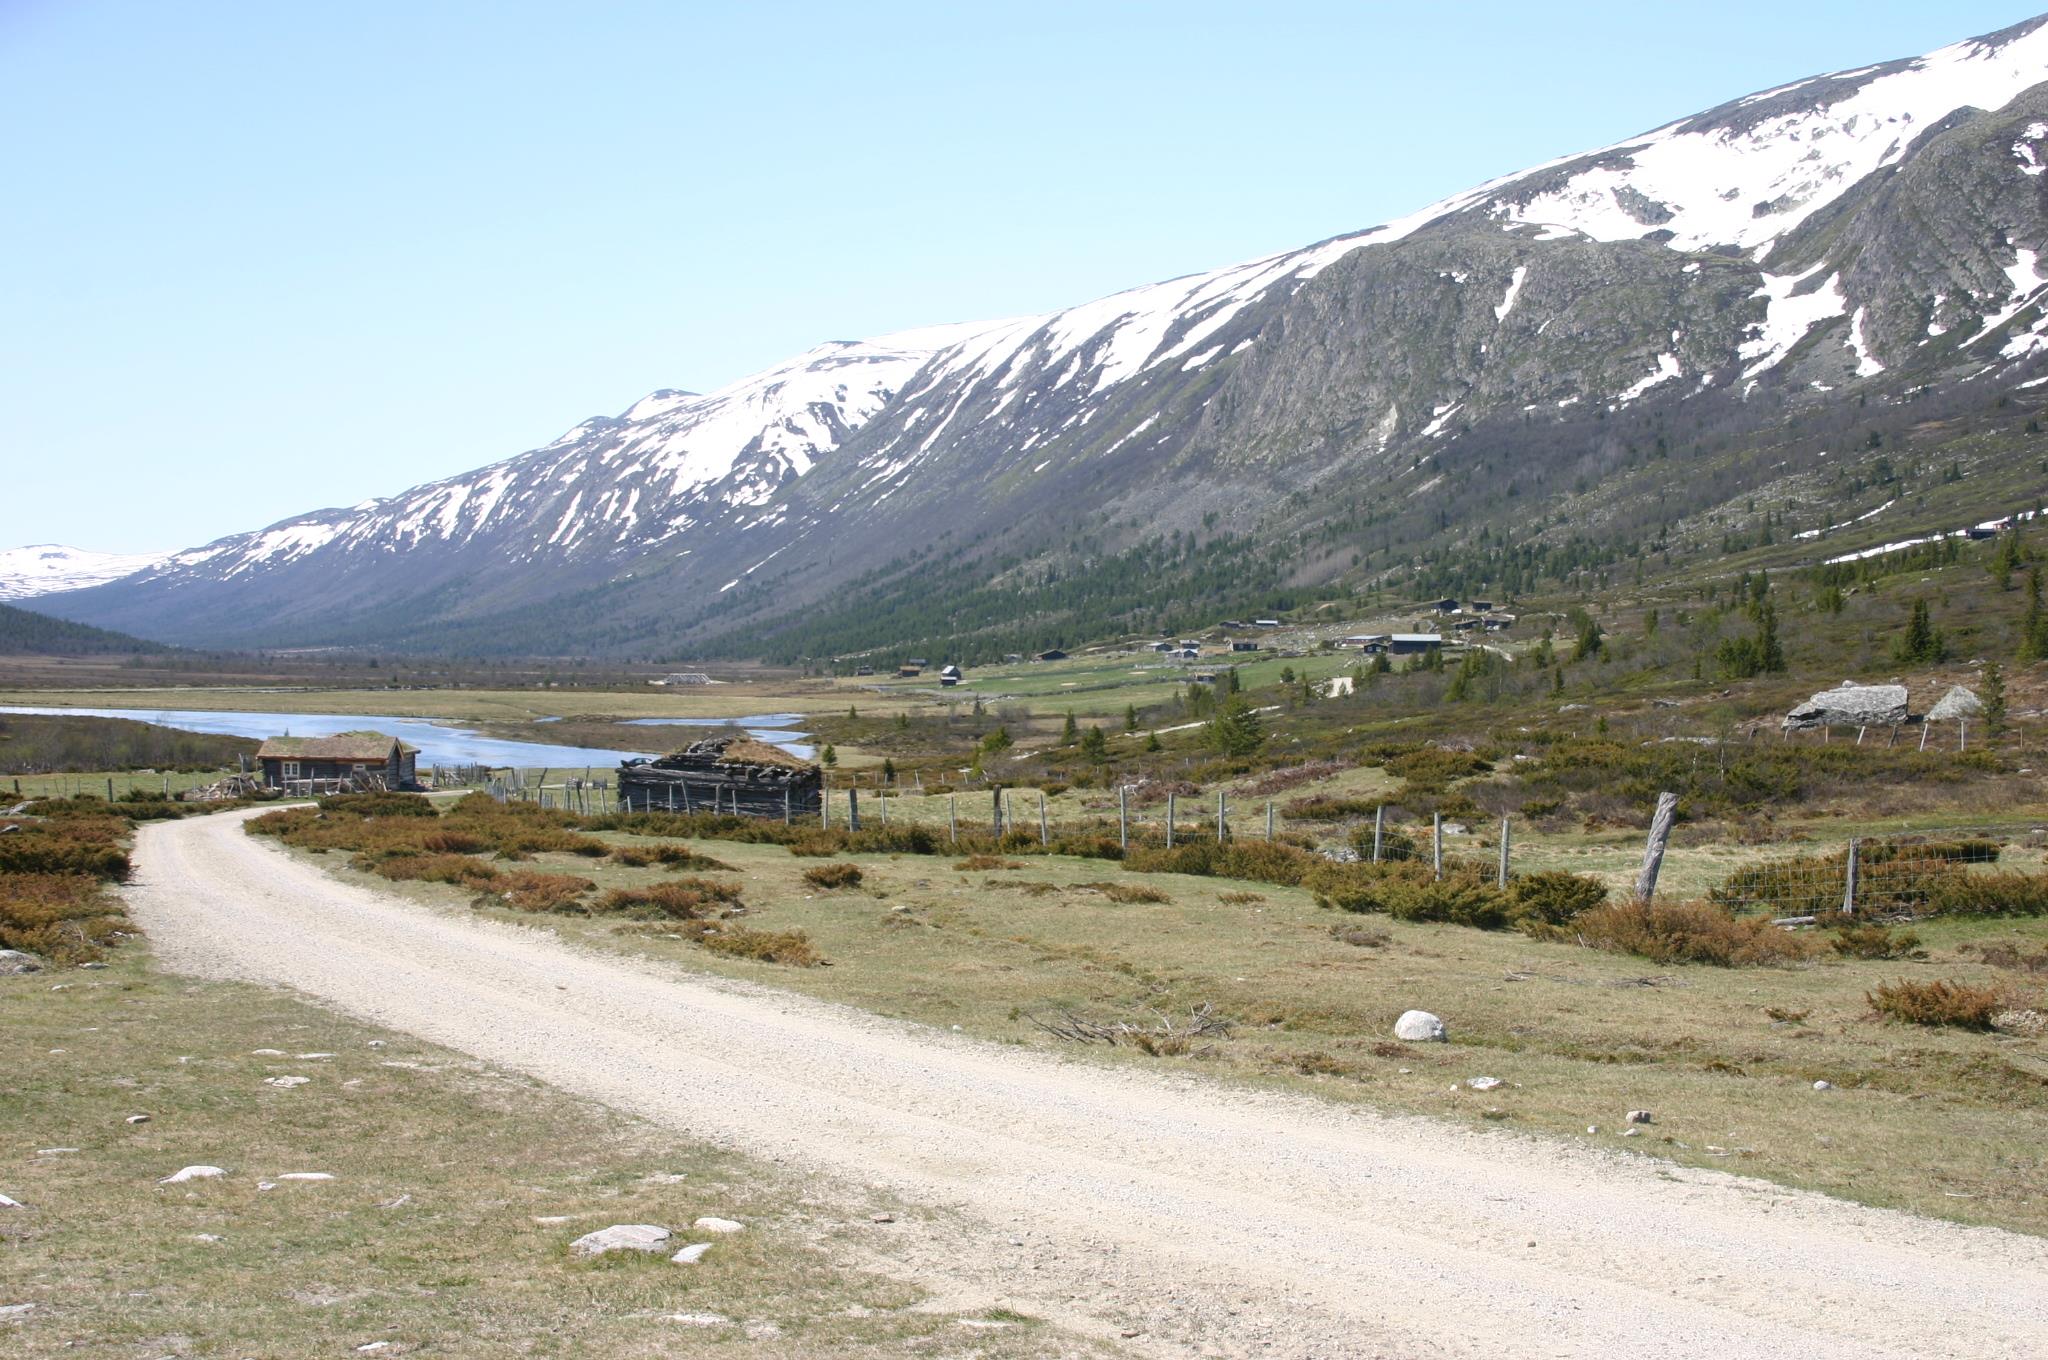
(206, 1237)
(266, 1053)
(620, 1237)
(1638, 1116)
(701, 1319)
(716, 1225)
(286, 1082)
(372, 1347)
(193, 1173)
(8, 1202)
(306, 1176)
(1419, 1027)
(664, 1178)
(1823, 1086)
(551, 1219)
(376, 1043)
(54, 1152)
(1592, 1128)
(1630, 1133)
(691, 1254)
(13, 963)
(137, 1119)
(314, 1057)
(1484, 1083)
(16, 1310)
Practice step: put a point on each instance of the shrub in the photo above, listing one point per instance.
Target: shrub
(1874, 942)
(1553, 897)
(2011, 956)
(1359, 887)
(378, 804)
(684, 899)
(525, 890)
(1240, 899)
(1461, 899)
(39, 852)
(61, 917)
(1259, 861)
(1996, 894)
(1688, 932)
(983, 863)
(673, 854)
(1363, 937)
(1433, 767)
(1394, 843)
(457, 869)
(790, 947)
(1326, 807)
(1126, 893)
(840, 875)
(1937, 1003)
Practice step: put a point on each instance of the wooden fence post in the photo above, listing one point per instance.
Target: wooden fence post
(953, 818)
(1222, 826)
(1504, 835)
(1849, 879)
(996, 811)
(1269, 819)
(824, 804)
(1044, 831)
(881, 801)
(1169, 821)
(1123, 816)
(853, 808)
(1436, 844)
(1379, 825)
(1653, 852)
(785, 805)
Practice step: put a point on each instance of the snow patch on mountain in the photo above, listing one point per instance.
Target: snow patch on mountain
(46, 568)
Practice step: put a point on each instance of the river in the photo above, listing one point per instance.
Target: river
(438, 744)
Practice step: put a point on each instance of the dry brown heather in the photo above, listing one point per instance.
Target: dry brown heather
(437, 1234)
(1941, 1120)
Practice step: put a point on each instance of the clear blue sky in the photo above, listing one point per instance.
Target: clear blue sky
(263, 258)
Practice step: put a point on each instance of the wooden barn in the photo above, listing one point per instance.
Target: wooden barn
(733, 774)
(346, 760)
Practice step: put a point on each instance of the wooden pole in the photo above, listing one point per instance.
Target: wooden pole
(853, 808)
(1849, 880)
(1653, 851)
(880, 802)
(1123, 816)
(1436, 844)
(1379, 825)
(824, 804)
(996, 811)
(953, 818)
(785, 805)
(1269, 819)
(1044, 830)
(1222, 826)
(1502, 881)
(1169, 821)
(1923, 734)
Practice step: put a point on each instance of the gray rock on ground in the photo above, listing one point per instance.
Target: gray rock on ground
(1484, 1083)
(691, 1254)
(620, 1237)
(1959, 703)
(716, 1225)
(14, 963)
(1419, 1027)
(193, 1173)
(1850, 706)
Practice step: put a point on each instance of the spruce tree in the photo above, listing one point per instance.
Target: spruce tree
(1069, 732)
(1994, 698)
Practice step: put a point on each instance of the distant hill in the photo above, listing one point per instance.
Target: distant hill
(23, 633)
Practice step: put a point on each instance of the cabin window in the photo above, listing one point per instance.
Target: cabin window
(288, 769)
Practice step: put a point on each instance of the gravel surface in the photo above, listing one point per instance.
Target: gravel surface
(1209, 1220)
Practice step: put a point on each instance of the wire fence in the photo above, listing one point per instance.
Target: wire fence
(1899, 874)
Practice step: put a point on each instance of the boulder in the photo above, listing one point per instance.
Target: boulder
(1850, 705)
(13, 963)
(1484, 1083)
(1956, 705)
(716, 1225)
(1639, 1116)
(691, 1254)
(1419, 1027)
(620, 1237)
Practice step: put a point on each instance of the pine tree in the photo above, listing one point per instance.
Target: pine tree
(1095, 747)
(1994, 698)
(1130, 717)
(2008, 560)
(1235, 730)
(888, 771)
(1922, 641)
(1070, 731)
(829, 756)
(2034, 623)
(1152, 742)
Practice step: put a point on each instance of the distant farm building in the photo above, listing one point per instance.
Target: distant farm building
(1243, 645)
(731, 774)
(1479, 606)
(344, 761)
(1397, 644)
(683, 678)
(949, 676)
(1052, 654)
(1165, 646)
(910, 670)
(1265, 623)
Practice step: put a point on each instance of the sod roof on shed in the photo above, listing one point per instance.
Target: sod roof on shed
(350, 746)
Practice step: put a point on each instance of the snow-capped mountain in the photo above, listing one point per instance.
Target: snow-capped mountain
(45, 568)
(1851, 241)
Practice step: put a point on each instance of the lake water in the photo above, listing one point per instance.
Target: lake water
(438, 745)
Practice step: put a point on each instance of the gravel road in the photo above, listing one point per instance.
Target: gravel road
(1210, 1219)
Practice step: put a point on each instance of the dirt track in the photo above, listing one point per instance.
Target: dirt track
(1220, 1221)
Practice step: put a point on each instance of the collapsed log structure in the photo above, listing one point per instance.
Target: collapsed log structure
(730, 774)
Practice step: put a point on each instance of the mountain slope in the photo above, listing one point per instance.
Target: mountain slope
(1734, 289)
(26, 633)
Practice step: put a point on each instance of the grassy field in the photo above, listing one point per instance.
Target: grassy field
(1943, 1122)
(479, 705)
(445, 1230)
